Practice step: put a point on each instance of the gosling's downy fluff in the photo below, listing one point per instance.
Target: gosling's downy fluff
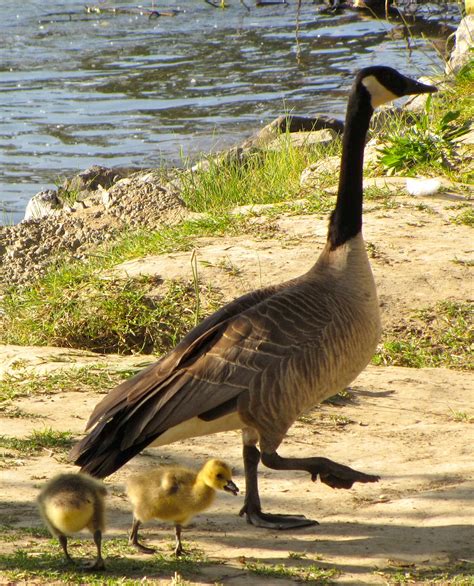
(71, 502)
(264, 359)
(175, 494)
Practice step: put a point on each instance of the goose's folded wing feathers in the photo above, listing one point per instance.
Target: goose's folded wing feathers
(193, 346)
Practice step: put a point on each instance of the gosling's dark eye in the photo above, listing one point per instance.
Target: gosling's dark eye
(220, 476)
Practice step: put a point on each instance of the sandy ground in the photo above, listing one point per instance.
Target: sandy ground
(398, 423)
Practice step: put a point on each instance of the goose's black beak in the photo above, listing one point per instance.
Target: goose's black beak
(416, 87)
(231, 487)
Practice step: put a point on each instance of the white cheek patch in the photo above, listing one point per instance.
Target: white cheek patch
(379, 94)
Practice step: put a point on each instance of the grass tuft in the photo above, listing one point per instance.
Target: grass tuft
(439, 336)
(456, 574)
(47, 438)
(309, 573)
(85, 311)
(268, 176)
(95, 378)
(428, 143)
(430, 140)
(466, 217)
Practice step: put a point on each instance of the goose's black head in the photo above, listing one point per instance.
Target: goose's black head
(384, 84)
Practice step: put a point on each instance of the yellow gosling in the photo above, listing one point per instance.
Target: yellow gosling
(71, 502)
(175, 494)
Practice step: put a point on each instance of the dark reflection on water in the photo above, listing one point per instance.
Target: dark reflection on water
(78, 89)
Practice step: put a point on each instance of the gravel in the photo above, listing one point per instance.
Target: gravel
(138, 201)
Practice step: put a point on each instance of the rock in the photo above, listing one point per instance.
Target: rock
(79, 205)
(91, 178)
(292, 125)
(41, 205)
(309, 178)
(303, 139)
(464, 42)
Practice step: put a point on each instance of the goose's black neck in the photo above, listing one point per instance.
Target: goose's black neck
(346, 219)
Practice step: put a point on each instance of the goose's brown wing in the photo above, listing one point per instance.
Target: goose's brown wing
(197, 377)
(193, 346)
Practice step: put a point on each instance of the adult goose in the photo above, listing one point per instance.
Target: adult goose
(265, 358)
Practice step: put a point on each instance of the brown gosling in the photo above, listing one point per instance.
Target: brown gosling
(71, 502)
(175, 494)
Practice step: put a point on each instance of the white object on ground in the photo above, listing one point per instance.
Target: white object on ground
(422, 186)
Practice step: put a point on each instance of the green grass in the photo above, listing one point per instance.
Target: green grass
(383, 198)
(428, 145)
(74, 306)
(429, 142)
(44, 563)
(308, 573)
(39, 559)
(455, 574)
(461, 416)
(95, 378)
(266, 176)
(103, 315)
(462, 91)
(466, 217)
(38, 440)
(10, 534)
(439, 336)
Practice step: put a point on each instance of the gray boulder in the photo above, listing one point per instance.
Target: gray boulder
(41, 205)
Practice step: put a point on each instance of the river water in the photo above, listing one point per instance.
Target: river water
(78, 89)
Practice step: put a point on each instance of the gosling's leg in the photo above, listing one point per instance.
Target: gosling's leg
(133, 539)
(98, 564)
(178, 550)
(252, 507)
(63, 541)
(331, 473)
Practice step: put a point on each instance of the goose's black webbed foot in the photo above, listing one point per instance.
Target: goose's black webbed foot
(331, 473)
(339, 476)
(256, 517)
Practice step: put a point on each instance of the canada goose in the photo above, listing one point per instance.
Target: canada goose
(175, 494)
(70, 502)
(270, 355)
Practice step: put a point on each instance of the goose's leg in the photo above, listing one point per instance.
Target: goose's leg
(133, 539)
(63, 541)
(178, 550)
(98, 564)
(252, 507)
(331, 473)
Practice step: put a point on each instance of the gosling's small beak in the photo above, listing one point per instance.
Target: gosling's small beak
(231, 487)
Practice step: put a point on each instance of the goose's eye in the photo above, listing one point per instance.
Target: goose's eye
(220, 476)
